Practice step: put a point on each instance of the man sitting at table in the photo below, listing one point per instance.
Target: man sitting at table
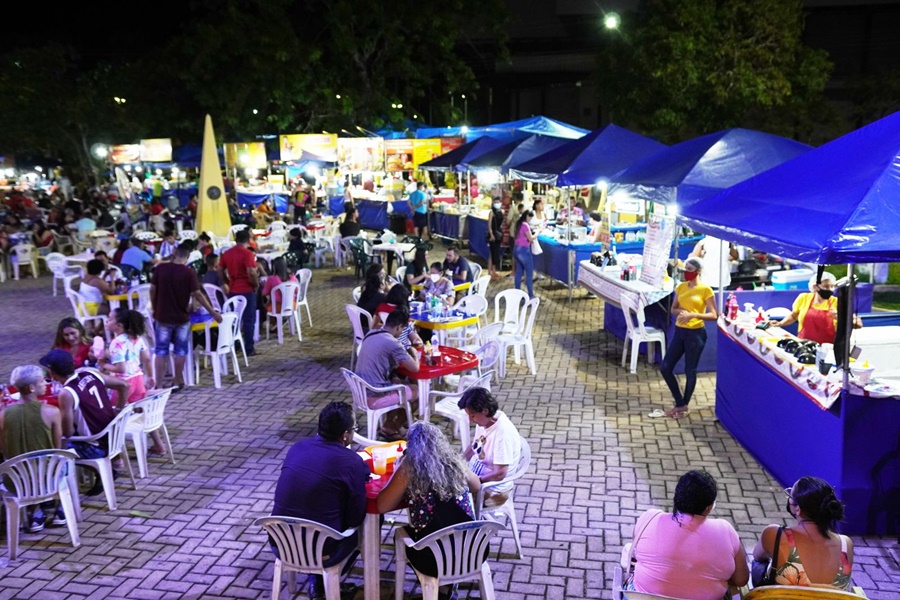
(30, 425)
(458, 266)
(322, 480)
(137, 256)
(111, 273)
(379, 354)
(496, 446)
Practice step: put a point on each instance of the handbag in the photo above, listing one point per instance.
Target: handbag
(763, 573)
(632, 560)
(536, 246)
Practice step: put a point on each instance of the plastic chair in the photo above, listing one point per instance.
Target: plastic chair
(57, 264)
(139, 298)
(79, 307)
(277, 226)
(340, 251)
(289, 294)
(446, 404)
(303, 278)
(322, 247)
(115, 437)
(300, 545)
(237, 305)
(108, 244)
(355, 314)
(188, 234)
(356, 293)
(235, 228)
(473, 305)
(216, 295)
(81, 244)
(62, 242)
(480, 286)
(633, 308)
(513, 302)
(24, 255)
(508, 508)
(38, 477)
(459, 551)
(401, 274)
(360, 389)
(228, 329)
(476, 271)
(150, 419)
(521, 338)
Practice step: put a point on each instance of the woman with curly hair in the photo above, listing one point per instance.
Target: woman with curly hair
(436, 482)
(827, 557)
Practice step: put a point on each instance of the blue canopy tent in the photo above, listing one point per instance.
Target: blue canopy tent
(599, 155)
(514, 152)
(835, 204)
(700, 167)
(507, 132)
(452, 161)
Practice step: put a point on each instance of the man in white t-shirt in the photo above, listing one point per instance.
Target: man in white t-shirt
(496, 447)
(711, 250)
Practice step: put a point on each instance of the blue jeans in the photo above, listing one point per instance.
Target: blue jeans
(524, 264)
(177, 335)
(249, 320)
(688, 343)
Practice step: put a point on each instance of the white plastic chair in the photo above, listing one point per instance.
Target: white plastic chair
(287, 308)
(237, 305)
(459, 551)
(150, 419)
(38, 477)
(216, 295)
(356, 293)
(62, 242)
(340, 251)
(24, 255)
(235, 228)
(401, 274)
(108, 244)
(480, 286)
(476, 271)
(188, 234)
(508, 508)
(79, 307)
(473, 305)
(355, 313)
(228, 329)
(300, 544)
(57, 264)
(303, 278)
(483, 336)
(277, 226)
(115, 436)
(521, 338)
(446, 404)
(512, 303)
(324, 245)
(635, 335)
(360, 389)
(139, 298)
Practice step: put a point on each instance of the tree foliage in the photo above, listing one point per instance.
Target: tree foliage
(696, 66)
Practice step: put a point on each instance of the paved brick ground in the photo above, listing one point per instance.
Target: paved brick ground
(599, 462)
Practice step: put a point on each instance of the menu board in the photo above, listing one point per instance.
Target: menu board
(657, 244)
(124, 154)
(322, 145)
(156, 150)
(360, 154)
(398, 155)
(249, 155)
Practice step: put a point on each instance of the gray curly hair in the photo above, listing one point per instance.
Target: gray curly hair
(432, 465)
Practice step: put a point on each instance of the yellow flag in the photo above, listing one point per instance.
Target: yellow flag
(212, 204)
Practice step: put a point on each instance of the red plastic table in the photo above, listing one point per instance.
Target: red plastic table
(371, 538)
(451, 360)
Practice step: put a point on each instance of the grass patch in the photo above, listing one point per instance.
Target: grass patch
(886, 301)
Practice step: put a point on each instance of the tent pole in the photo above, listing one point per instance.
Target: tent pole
(720, 304)
(845, 359)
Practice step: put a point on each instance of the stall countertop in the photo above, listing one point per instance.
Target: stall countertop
(606, 283)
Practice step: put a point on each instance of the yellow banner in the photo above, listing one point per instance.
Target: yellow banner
(322, 145)
(425, 150)
(247, 155)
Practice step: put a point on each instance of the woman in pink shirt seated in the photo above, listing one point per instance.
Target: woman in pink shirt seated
(685, 553)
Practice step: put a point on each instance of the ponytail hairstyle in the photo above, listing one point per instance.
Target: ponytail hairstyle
(132, 322)
(816, 498)
(523, 218)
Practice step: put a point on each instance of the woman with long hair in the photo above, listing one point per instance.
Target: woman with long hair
(437, 484)
(687, 553)
(522, 252)
(809, 552)
(71, 337)
(417, 271)
(40, 235)
(373, 289)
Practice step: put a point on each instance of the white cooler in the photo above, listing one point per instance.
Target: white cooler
(880, 346)
(792, 279)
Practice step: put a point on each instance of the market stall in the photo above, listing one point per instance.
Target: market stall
(845, 194)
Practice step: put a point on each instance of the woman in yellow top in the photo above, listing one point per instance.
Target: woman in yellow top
(816, 311)
(694, 304)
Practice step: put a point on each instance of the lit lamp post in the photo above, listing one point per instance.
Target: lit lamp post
(100, 152)
(612, 20)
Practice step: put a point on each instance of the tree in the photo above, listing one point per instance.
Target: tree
(696, 66)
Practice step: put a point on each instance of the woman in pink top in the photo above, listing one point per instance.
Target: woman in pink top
(522, 252)
(686, 554)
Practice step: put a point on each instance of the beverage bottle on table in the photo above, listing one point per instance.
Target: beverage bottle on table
(732, 307)
(428, 351)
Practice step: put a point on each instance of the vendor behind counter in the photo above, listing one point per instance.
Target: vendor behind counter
(816, 311)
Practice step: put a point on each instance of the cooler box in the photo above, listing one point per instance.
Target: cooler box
(793, 279)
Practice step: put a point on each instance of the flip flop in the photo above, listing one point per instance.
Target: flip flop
(657, 414)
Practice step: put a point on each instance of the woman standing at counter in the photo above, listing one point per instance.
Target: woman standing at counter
(816, 311)
(522, 252)
(694, 304)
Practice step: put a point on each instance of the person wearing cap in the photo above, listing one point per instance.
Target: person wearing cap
(84, 401)
(694, 304)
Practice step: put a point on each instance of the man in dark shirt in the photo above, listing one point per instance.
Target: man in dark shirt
(458, 266)
(324, 481)
(171, 289)
(350, 227)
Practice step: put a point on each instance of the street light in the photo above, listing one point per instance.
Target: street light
(612, 20)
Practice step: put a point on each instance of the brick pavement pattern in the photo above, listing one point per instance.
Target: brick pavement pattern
(599, 462)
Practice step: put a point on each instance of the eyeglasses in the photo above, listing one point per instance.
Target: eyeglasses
(789, 492)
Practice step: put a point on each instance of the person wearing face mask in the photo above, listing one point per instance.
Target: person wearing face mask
(437, 284)
(694, 304)
(816, 311)
(495, 238)
(686, 553)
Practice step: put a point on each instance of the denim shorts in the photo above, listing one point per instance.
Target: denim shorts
(177, 335)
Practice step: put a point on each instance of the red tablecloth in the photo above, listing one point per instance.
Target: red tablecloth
(452, 360)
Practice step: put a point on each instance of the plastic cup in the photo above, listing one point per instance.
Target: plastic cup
(379, 459)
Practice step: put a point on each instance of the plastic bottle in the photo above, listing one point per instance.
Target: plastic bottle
(428, 353)
(732, 306)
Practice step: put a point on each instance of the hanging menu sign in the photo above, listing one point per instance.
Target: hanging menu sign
(658, 243)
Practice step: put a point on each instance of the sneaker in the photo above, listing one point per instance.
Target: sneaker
(59, 519)
(37, 521)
